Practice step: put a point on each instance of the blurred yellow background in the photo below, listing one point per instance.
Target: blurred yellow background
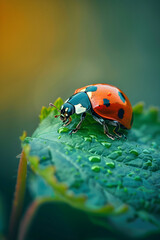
(50, 48)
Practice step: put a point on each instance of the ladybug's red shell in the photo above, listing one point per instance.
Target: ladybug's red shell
(109, 102)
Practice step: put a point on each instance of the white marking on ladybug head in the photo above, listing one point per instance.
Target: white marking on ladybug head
(89, 94)
(61, 107)
(79, 108)
(66, 109)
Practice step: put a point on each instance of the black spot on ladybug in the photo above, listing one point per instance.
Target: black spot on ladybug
(120, 113)
(122, 97)
(106, 102)
(132, 119)
(91, 89)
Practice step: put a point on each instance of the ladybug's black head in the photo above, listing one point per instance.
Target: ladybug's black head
(67, 110)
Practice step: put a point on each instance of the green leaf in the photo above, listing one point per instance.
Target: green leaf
(118, 180)
(46, 111)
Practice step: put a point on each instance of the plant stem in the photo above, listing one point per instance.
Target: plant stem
(29, 216)
(18, 198)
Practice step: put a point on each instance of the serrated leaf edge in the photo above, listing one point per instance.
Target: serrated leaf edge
(61, 189)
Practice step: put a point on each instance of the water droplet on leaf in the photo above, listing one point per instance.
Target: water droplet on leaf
(106, 144)
(110, 164)
(134, 152)
(95, 168)
(94, 159)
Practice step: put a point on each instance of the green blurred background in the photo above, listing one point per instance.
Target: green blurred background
(49, 48)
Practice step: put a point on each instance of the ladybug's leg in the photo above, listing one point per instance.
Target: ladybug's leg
(105, 127)
(68, 122)
(116, 130)
(79, 124)
(106, 131)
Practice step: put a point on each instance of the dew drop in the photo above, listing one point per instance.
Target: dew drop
(94, 159)
(134, 152)
(106, 144)
(87, 139)
(119, 147)
(145, 151)
(137, 178)
(93, 136)
(63, 129)
(110, 164)
(95, 168)
(109, 171)
(130, 174)
(148, 163)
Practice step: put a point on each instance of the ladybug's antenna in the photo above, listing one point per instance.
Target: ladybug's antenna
(52, 105)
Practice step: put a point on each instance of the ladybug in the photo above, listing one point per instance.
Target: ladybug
(106, 103)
